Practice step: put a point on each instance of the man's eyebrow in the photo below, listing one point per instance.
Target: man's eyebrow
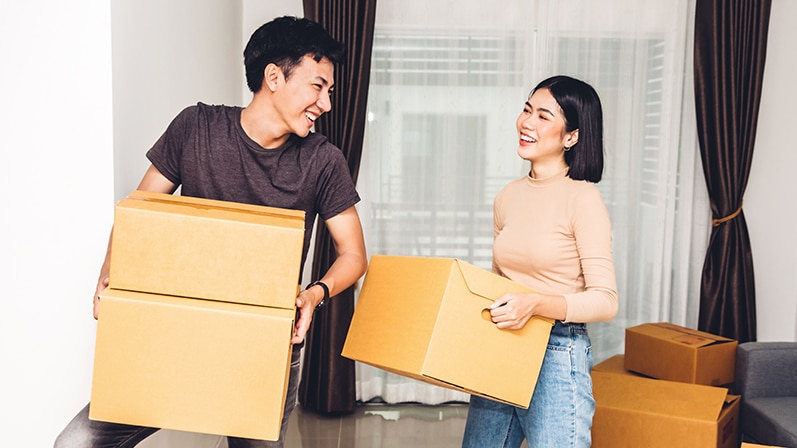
(323, 80)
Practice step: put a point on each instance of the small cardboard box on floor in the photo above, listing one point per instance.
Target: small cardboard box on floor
(636, 411)
(671, 352)
(173, 350)
(424, 318)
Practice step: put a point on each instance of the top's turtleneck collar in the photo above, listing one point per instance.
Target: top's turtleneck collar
(538, 182)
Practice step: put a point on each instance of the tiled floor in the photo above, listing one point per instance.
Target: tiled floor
(370, 426)
(380, 426)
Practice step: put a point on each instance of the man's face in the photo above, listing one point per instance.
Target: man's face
(305, 94)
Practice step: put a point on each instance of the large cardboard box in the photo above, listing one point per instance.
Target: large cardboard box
(672, 352)
(191, 365)
(633, 411)
(201, 248)
(425, 318)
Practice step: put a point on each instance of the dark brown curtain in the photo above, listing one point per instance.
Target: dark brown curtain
(327, 383)
(730, 49)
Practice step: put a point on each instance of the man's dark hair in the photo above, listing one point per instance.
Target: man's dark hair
(285, 41)
(582, 110)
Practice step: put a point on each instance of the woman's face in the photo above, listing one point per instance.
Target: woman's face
(541, 130)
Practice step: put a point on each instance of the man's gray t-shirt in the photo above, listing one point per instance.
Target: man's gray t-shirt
(207, 152)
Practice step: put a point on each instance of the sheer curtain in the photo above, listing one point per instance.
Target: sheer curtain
(447, 83)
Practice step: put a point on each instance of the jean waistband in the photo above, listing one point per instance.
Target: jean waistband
(570, 327)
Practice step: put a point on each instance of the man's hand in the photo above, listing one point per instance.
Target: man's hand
(101, 285)
(306, 302)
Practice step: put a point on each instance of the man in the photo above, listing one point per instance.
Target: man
(262, 154)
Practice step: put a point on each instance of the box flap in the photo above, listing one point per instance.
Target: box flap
(489, 285)
(645, 395)
(682, 335)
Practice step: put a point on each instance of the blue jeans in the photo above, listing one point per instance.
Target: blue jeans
(84, 433)
(561, 409)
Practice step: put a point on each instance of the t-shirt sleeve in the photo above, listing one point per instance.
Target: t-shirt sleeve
(593, 233)
(337, 191)
(167, 151)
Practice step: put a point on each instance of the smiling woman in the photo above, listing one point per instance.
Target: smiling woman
(440, 143)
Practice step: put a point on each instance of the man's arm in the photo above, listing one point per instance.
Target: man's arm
(153, 181)
(352, 261)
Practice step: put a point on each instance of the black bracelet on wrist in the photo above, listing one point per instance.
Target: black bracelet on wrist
(326, 292)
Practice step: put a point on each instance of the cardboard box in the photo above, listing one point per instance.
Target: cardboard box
(615, 364)
(201, 248)
(633, 411)
(671, 352)
(425, 318)
(191, 365)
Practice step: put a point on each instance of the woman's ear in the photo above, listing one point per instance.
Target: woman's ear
(572, 138)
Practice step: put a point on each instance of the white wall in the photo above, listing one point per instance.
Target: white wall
(58, 134)
(770, 206)
(56, 191)
(57, 137)
(166, 56)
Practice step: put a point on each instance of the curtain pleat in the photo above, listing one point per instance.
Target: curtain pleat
(327, 384)
(730, 50)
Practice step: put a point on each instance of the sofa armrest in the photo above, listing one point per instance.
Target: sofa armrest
(766, 369)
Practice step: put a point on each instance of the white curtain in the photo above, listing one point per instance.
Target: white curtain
(448, 81)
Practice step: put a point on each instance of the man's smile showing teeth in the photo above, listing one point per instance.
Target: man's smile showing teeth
(310, 116)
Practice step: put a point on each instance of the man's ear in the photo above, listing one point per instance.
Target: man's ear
(572, 138)
(271, 76)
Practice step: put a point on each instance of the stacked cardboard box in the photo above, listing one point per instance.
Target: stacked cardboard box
(426, 318)
(672, 352)
(660, 392)
(194, 329)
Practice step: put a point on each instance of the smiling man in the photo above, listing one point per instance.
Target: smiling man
(263, 154)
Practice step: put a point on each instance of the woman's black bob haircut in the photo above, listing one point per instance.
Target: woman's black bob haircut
(582, 110)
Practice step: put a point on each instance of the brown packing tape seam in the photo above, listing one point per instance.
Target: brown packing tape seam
(296, 215)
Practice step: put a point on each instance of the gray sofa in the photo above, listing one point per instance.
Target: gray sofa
(766, 378)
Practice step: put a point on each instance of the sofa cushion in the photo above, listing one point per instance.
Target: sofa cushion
(770, 420)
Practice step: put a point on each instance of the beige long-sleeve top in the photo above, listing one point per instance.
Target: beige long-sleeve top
(554, 235)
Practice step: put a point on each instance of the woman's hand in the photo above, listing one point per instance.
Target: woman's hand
(512, 311)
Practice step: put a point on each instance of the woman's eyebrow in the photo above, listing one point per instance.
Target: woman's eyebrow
(541, 109)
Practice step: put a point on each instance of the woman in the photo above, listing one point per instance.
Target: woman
(553, 234)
